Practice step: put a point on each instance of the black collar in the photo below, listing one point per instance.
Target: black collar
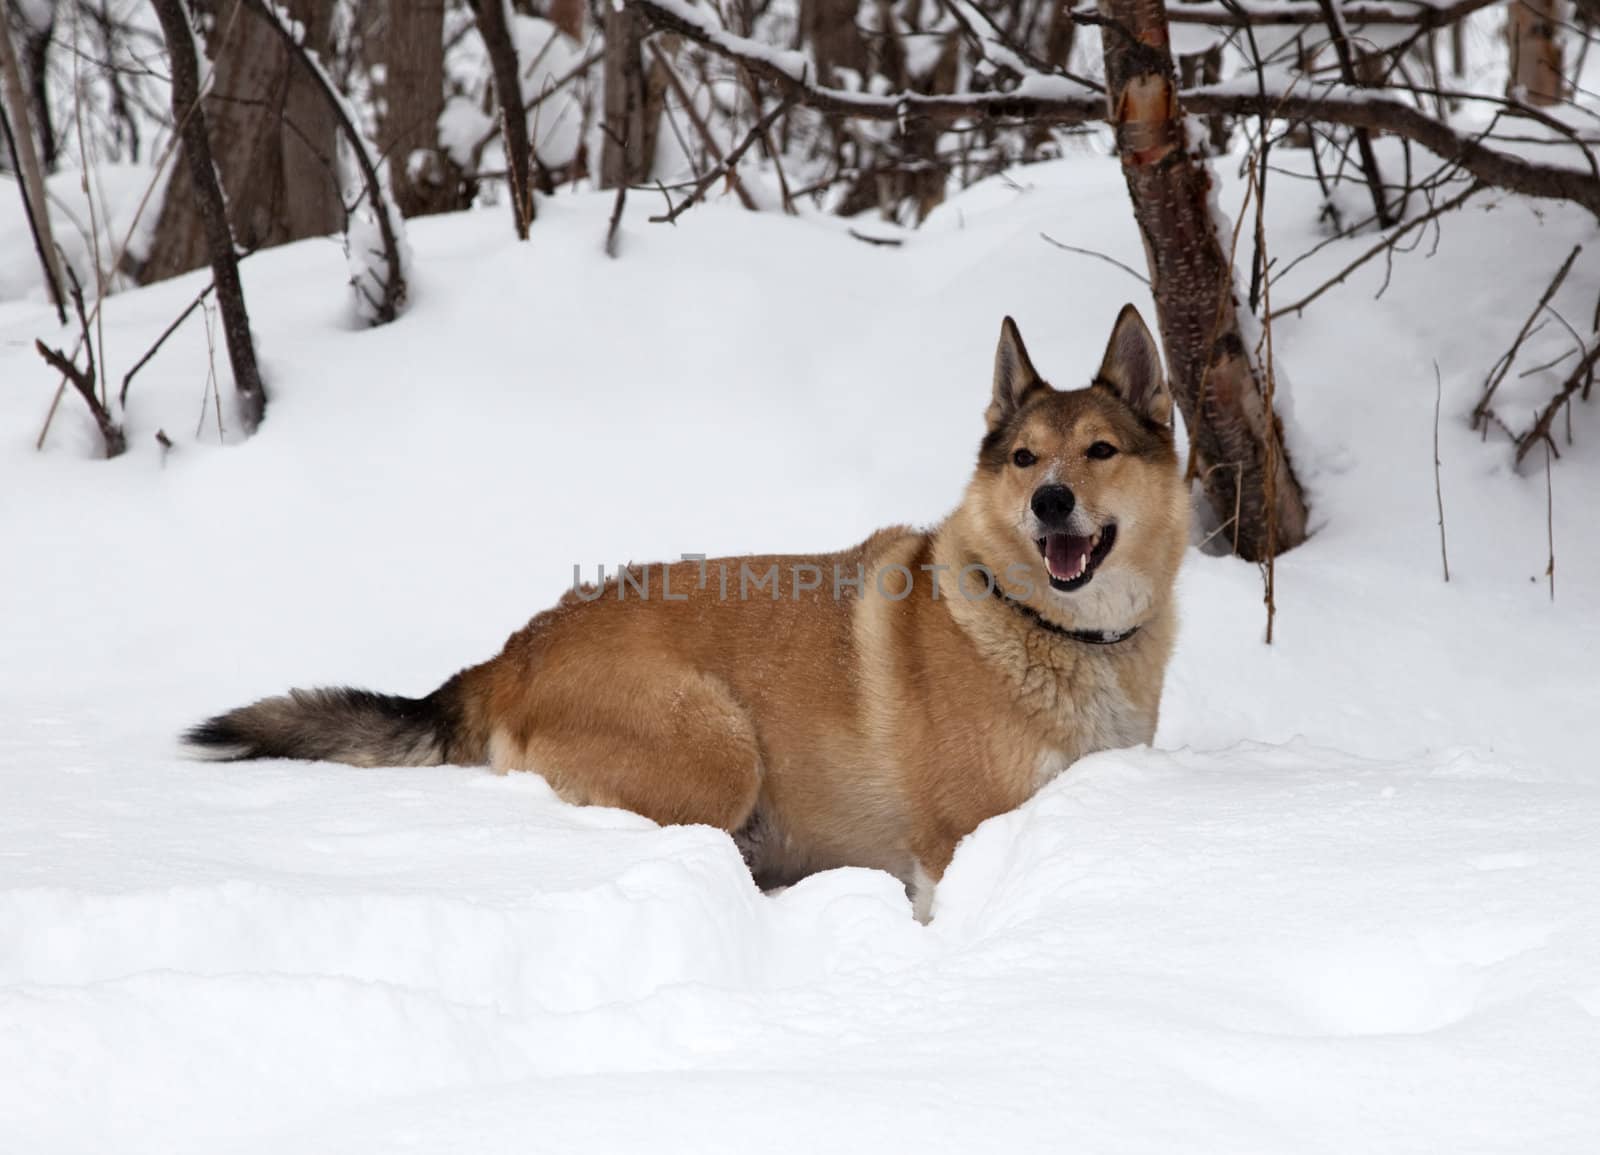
(1089, 637)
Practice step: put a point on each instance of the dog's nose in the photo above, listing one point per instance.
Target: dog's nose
(1053, 504)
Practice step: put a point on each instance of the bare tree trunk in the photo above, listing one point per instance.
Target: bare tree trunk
(35, 61)
(188, 114)
(1536, 74)
(274, 139)
(1234, 434)
(567, 15)
(633, 102)
(423, 177)
(829, 27)
(32, 178)
(493, 26)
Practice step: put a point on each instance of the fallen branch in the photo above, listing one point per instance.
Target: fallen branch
(1540, 430)
(1496, 375)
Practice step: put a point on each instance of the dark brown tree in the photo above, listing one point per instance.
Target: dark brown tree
(492, 26)
(1237, 442)
(190, 116)
(20, 147)
(36, 41)
(273, 137)
(422, 175)
(634, 100)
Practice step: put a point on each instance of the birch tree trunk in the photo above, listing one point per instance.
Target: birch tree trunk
(1237, 440)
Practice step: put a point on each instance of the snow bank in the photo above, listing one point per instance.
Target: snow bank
(1345, 905)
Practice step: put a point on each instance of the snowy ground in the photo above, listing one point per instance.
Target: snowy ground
(1347, 904)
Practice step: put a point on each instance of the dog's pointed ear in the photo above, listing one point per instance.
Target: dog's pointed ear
(1014, 375)
(1132, 368)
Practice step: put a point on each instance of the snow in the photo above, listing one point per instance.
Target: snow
(1345, 904)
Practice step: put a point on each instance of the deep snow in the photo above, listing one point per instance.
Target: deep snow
(1347, 904)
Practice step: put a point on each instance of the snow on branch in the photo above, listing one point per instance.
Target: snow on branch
(1039, 97)
(1421, 14)
(1048, 98)
(1366, 108)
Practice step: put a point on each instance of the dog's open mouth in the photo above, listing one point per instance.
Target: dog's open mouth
(1071, 560)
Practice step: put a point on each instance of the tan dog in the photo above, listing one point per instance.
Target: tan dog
(866, 708)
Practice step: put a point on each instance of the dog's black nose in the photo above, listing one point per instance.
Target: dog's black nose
(1052, 505)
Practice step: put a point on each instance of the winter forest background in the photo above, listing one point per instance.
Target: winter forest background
(334, 333)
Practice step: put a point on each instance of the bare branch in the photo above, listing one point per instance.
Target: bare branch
(84, 379)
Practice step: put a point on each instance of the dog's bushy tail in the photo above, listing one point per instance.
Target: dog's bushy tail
(357, 727)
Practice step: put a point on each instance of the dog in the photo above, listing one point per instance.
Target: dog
(864, 708)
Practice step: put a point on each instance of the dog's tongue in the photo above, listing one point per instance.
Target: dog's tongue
(1066, 555)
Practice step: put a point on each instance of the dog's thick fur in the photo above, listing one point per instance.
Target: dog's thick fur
(871, 724)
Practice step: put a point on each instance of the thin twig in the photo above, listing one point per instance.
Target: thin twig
(727, 165)
(1270, 464)
(122, 398)
(700, 126)
(1454, 202)
(1438, 490)
(1131, 271)
(1550, 520)
(616, 219)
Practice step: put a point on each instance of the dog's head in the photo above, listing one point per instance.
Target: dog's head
(1080, 489)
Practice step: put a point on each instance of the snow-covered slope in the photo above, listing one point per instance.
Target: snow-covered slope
(1346, 905)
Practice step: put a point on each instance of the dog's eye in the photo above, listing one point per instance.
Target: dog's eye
(1023, 458)
(1101, 450)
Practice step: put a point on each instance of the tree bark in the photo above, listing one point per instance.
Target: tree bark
(423, 178)
(494, 27)
(31, 176)
(35, 59)
(1536, 74)
(829, 28)
(206, 196)
(567, 15)
(633, 102)
(1237, 441)
(274, 141)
